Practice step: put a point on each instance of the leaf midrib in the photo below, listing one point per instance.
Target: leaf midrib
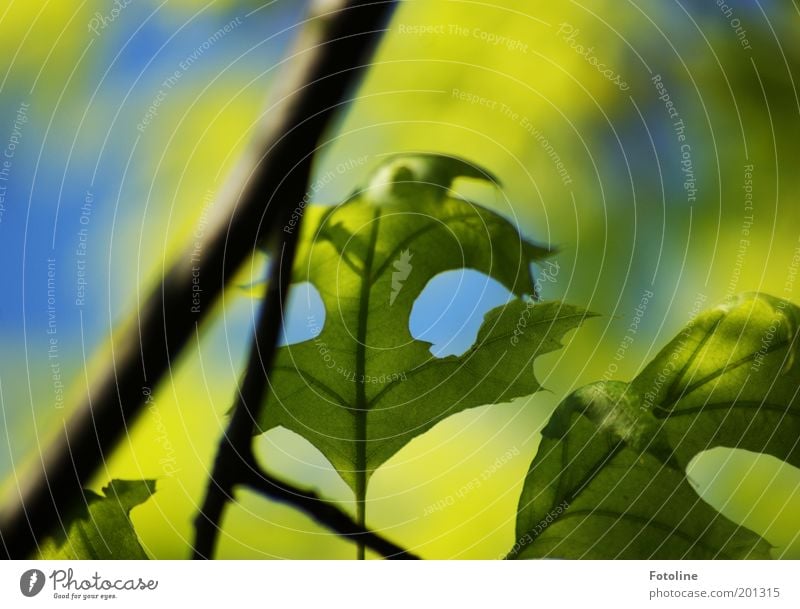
(668, 404)
(361, 365)
(647, 522)
(574, 492)
(731, 405)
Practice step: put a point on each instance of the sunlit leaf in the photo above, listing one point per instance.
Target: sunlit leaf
(102, 529)
(730, 379)
(364, 387)
(609, 478)
(603, 486)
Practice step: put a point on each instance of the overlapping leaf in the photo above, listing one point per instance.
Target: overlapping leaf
(609, 478)
(732, 379)
(102, 529)
(364, 387)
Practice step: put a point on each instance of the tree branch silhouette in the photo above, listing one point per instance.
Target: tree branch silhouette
(323, 512)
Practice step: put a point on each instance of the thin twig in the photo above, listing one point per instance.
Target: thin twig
(234, 456)
(276, 172)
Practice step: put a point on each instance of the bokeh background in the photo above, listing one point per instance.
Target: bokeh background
(93, 194)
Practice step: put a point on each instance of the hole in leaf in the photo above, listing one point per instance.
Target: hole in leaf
(305, 314)
(257, 529)
(757, 491)
(450, 310)
(473, 189)
(288, 454)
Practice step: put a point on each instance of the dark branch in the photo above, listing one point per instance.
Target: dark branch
(234, 455)
(324, 513)
(270, 182)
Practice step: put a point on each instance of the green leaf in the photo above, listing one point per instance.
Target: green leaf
(603, 486)
(609, 478)
(730, 379)
(364, 387)
(102, 529)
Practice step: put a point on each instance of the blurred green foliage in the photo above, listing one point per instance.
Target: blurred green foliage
(588, 167)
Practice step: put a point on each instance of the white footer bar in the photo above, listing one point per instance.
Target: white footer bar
(415, 584)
